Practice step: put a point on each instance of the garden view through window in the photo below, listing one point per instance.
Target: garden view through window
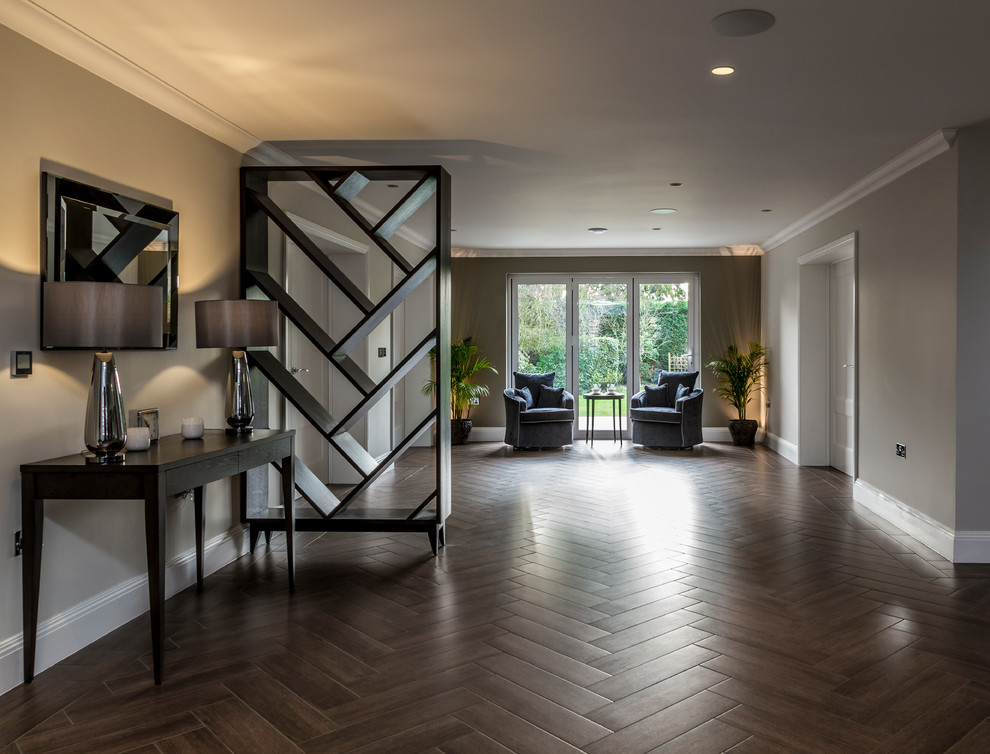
(606, 333)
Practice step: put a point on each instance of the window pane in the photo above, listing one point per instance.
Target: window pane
(542, 329)
(601, 344)
(663, 330)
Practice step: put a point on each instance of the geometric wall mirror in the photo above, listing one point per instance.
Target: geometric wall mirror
(91, 234)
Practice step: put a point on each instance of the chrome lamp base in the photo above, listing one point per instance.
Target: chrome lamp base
(105, 429)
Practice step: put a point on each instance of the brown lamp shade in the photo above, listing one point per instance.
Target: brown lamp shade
(101, 315)
(236, 323)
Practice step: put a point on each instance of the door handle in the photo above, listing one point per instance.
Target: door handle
(297, 370)
(848, 366)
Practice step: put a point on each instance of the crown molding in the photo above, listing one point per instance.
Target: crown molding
(337, 240)
(922, 152)
(266, 154)
(741, 250)
(48, 30)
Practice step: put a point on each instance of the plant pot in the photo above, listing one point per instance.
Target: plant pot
(743, 431)
(459, 431)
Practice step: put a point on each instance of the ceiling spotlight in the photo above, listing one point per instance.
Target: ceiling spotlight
(391, 185)
(663, 211)
(675, 183)
(723, 70)
(766, 210)
(597, 230)
(656, 228)
(742, 23)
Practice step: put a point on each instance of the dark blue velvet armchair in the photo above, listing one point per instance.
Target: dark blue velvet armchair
(668, 416)
(538, 415)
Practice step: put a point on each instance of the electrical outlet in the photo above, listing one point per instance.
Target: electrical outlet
(17, 543)
(381, 352)
(900, 449)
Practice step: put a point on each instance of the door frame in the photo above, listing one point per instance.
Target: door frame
(813, 351)
(572, 281)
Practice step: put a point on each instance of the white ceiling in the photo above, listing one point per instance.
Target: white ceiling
(554, 116)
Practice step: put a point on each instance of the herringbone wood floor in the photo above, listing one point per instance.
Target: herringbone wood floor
(605, 600)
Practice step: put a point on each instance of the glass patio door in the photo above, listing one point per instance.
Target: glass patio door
(603, 350)
(601, 331)
(664, 329)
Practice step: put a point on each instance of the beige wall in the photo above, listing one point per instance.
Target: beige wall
(730, 309)
(58, 114)
(906, 364)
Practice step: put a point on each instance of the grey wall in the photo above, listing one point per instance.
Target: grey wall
(973, 318)
(907, 333)
(730, 309)
(57, 113)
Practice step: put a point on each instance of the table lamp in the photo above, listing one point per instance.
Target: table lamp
(237, 324)
(103, 316)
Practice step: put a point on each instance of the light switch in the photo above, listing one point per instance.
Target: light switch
(21, 363)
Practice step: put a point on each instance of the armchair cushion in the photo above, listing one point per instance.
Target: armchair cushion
(525, 394)
(535, 382)
(673, 380)
(551, 397)
(655, 414)
(682, 390)
(656, 396)
(538, 415)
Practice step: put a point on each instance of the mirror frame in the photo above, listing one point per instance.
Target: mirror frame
(119, 252)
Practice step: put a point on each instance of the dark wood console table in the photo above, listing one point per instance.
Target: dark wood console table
(169, 467)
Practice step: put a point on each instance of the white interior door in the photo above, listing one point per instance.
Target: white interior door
(305, 361)
(842, 367)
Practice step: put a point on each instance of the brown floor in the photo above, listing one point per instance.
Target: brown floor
(605, 600)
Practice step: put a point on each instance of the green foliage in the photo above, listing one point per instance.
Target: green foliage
(542, 327)
(663, 331)
(465, 362)
(601, 334)
(738, 374)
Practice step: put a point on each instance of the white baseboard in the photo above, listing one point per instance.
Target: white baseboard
(925, 529)
(486, 434)
(70, 631)
(721, 434)
(782, 447)
(716, 434)
(971, 547)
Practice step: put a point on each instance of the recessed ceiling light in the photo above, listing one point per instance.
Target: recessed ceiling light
(675, 183)
(656, 228)
(723, 70)
(663, 211)
(597, 230)
(391, 185)
(742, 23)
(766, 210)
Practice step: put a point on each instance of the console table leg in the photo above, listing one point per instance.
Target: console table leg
(154, 530)
(288, 490)
(32, 533)
(200, 524)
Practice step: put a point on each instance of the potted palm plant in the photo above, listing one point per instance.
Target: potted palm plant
(466, 361)
(738, 374)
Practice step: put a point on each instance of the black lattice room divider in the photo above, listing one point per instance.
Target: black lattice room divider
(342, 511)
